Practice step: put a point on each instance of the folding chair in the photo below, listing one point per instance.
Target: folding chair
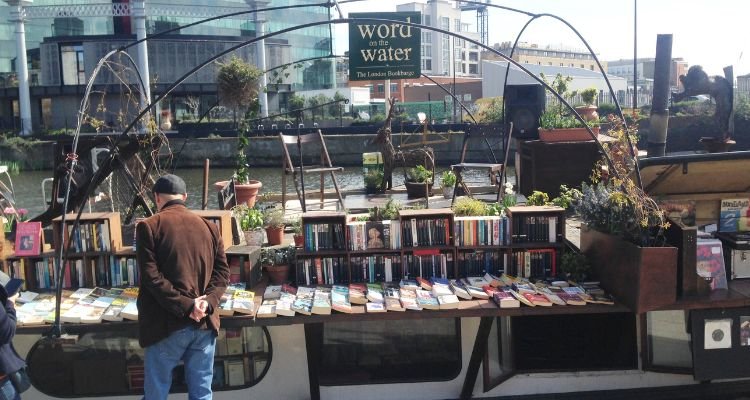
(309, 142)
(494, 169)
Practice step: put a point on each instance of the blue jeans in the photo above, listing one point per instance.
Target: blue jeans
(7, 391)
(193, 346)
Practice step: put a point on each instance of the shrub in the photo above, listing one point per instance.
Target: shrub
(468, 207)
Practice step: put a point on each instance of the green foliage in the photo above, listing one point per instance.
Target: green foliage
(605, 109)
(576, 265)
(419, 174)
(338, 108)
(490, 110)
(495, 209)
(237, 84)
(13, 167)
(377, 118)
(388, 211)
(249, 218)
(448, 179)
(588, 96)
(273, 217)
(537, 198)
(468, 207)
(314, 103)
(241, 163)
(297, 226)
(296, 104)
(557, 115)
(567, 197)
(278, 255)
(374, 178)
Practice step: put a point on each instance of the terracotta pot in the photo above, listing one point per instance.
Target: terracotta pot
(278, 274)
(641, 278)
(275, 235)
(567, 135)
(416, 190)
(299, 240)
(246, 193)
(588, 113)
(254, 237)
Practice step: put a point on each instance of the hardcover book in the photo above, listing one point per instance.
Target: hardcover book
(28, 239)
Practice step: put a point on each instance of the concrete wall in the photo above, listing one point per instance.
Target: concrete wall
(345, 150)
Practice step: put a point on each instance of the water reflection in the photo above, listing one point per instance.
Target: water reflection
(28, 184)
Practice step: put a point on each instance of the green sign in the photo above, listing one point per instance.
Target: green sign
(384, 50)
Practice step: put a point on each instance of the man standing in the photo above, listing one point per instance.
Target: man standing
(184, 273)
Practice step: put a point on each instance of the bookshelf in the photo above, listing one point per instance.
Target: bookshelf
(97, 232)
(536, 236)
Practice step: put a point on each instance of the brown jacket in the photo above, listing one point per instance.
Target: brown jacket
(180, 257)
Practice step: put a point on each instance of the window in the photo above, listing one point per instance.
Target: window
(381, 88)
(394, 351)
(394, 87)
(71, 57)
(473, 68)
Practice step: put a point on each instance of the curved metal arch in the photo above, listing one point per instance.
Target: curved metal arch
(535, 16)
(376, 20)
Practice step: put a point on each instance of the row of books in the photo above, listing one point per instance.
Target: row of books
(376, 268)
(326, 236)
(424, 294)
(101, 271)
(535, 263)
(426, 232)
(85, 305)
(479, 262)
(535, 229)
(368, 235)
(238, 341)
(481, 231)
(237, 372)
(90, 236)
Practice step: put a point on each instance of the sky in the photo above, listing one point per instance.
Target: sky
(713, 34)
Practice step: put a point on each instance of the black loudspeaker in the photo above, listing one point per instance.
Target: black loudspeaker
(524, 104)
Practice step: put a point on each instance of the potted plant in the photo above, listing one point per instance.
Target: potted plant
(448, 183)
(389, 211)
(276, 261)
(537, 198)
(237, 83)
(251, 223)
(588, 109)
(557, 124)
(273, 220)
(299, 238)
(469, 207)
(418, 182)
(373, 181)
(622, 234)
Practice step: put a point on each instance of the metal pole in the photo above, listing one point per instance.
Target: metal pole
(635, 57)
(657, 136)
(387, 97)
(260, 20)
(24, 99)
(204, 203)
(139, 15)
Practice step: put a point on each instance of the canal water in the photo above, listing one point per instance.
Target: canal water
(28, 184)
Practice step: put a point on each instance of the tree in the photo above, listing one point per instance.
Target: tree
(314, 103)
(336, 109)
(237, 83)
(296, 104)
